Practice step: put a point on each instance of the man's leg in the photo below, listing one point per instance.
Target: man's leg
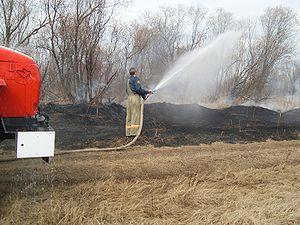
(128, 118)
(136, 116)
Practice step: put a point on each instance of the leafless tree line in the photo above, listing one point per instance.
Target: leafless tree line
(84, 49)
(261, 60)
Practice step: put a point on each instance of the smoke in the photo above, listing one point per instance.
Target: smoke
(285, 93)
(297, 88)
(297, 83)
(283, 102)
(195, 75)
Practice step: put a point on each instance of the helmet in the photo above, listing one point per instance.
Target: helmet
(132, 71)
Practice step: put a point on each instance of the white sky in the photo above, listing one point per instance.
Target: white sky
(241, 9)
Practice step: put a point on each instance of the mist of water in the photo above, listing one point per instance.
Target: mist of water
(195, 75)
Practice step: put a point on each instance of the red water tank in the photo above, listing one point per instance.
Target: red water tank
(20, 84)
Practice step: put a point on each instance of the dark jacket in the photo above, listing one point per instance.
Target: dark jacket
(135, 86)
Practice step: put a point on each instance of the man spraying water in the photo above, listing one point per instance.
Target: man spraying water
(135, 94)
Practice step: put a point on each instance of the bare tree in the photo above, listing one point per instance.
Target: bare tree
(76, 42)
(107, 67)
(19, 22)
(169, 23)
(196, 16)
(134, 44)
(220, 22)
(264, 55)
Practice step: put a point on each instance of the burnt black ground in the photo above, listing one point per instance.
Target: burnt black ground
(165, 124)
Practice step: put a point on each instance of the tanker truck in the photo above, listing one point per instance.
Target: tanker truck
(20, 118)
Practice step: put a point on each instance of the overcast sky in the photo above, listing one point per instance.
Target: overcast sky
(240, 8)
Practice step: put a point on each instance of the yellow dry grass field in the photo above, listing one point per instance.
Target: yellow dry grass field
(221, 183)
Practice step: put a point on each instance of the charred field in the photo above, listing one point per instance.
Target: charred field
(78, 126)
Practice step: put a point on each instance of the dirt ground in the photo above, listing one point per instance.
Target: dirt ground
(219, 183)
(78, 126)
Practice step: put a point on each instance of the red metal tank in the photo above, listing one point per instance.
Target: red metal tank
(20, 84)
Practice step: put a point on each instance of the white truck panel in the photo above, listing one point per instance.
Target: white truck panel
(33, 144)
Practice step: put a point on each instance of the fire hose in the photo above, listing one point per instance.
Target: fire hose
(64, 152)
(100, 149)
(111, 148)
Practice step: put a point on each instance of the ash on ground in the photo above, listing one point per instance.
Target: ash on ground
(81, 126)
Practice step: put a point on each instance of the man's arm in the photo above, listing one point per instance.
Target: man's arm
(136, 87)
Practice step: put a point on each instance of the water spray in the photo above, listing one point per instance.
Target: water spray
(196, 73)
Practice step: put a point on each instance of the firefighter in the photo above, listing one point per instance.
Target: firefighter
(135, 94)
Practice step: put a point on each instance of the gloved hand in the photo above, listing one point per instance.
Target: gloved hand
(150, 92)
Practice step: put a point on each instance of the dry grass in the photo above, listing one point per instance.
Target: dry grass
(209, 184)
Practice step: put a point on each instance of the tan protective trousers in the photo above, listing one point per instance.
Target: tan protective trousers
(133, 114)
